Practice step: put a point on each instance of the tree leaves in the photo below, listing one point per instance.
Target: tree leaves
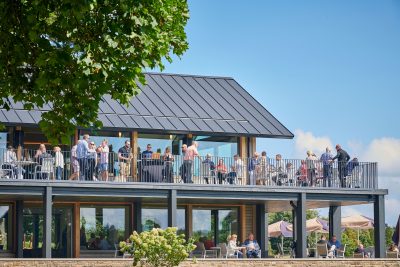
(71, 53)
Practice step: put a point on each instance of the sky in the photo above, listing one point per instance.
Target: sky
(328, 70)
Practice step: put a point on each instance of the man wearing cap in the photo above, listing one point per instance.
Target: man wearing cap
(342, 158)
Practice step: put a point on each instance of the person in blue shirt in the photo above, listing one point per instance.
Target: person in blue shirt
(148, 153)
(82, 153)
(252, 247)
(334, 242)
(326, 159)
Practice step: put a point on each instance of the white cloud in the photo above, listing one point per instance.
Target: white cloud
(385, 151)
(305, 141)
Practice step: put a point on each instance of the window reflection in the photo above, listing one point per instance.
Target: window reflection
(213, 226)
(160, 142)
(158, 218)
(219, 146)
(5, 228)
(102, 227)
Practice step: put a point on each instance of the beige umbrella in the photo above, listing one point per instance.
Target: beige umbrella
(359, 222)
(316, 225)
(279, 229)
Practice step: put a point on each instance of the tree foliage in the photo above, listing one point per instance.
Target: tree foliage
(70, 53)
(158, 247)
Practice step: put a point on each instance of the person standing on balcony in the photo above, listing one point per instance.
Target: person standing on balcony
(91, 162)
(254, 165)
(103, 168)
(147, 155)
(75, 164)
(342, 158)
(124, 157)
(311, 170)
(82, 152)
(236, 169)
(188, 161)
(182, 168)
(221, 171)
(327, 166)
(59, 162)
(168, 169)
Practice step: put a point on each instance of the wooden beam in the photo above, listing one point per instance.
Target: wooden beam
(134, 142)
(76, 230)
(242, 212)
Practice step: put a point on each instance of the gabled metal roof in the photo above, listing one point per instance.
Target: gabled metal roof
(174, 103)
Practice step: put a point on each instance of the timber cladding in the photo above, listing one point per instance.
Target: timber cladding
(202, 263)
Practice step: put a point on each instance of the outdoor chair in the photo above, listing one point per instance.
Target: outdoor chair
(323, 252)
(392, 254)
(340, 252)
(281, 251)
(358, 255)
(7, 171)
(46, 170)
(202, 252)
(227, 253)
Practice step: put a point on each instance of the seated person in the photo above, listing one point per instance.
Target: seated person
(221, 171)
(393, 248)
(335, 244)
(302, 174)
(252, 247)
(236, 169)
(208, 167)
(232, 248)
(360, 249)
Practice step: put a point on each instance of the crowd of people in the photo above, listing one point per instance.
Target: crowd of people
(93, 162)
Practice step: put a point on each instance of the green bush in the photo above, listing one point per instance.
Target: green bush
(158, 248)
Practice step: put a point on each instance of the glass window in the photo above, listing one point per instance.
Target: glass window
(116, 140)
(213, 226)
(218, 146)
(158, 218)
(5, 228)
(61, 232)
(102, 227)
(160, 142)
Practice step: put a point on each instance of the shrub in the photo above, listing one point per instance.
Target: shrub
(158, 248)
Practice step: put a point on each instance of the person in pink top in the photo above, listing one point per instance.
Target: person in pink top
(188, 158)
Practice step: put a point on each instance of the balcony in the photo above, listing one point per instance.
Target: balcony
(260, 172)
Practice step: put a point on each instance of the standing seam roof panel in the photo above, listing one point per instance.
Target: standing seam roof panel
(183, 96)
(202, 125)
(226, 112)
(165, 123)
(153, 123)
(162, 104)
(106, 122)
(219, 113)
(115, 120)
(24, 116)
(280, 129)
(116, 106)
(3, 118)
(12, 116)
(257, 126)
(190, 124)
(197, 110)
(141, 109)
(129, 122)
(178, 124)
(175, 110)
(141, 122)
(214, 126)
(201, 110)
(153, 109)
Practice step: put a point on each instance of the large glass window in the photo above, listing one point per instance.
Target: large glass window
(158, 218)
(5, 228)
(101, 227)
(213, 226)
(160, 142)
(218, 146)
(61, 232)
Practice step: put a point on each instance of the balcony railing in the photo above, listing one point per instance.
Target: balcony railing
(108, 167)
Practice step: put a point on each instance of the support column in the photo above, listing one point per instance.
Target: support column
(137, 216)
(172, 208)
(47, 202)
(379, 226)
(134, 143)
(76, 230)
(294, 221)
(261, 227)
(301, 233)
(19, 209)
(252, 146)
(335, 222)
(188, 221)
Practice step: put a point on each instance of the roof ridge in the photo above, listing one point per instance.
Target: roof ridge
(187, 75)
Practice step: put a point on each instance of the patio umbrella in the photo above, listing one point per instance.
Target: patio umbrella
(396, 234)
(279, 229)
(359, 222)
(315, 225)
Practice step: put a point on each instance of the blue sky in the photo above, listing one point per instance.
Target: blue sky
(328, 70)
